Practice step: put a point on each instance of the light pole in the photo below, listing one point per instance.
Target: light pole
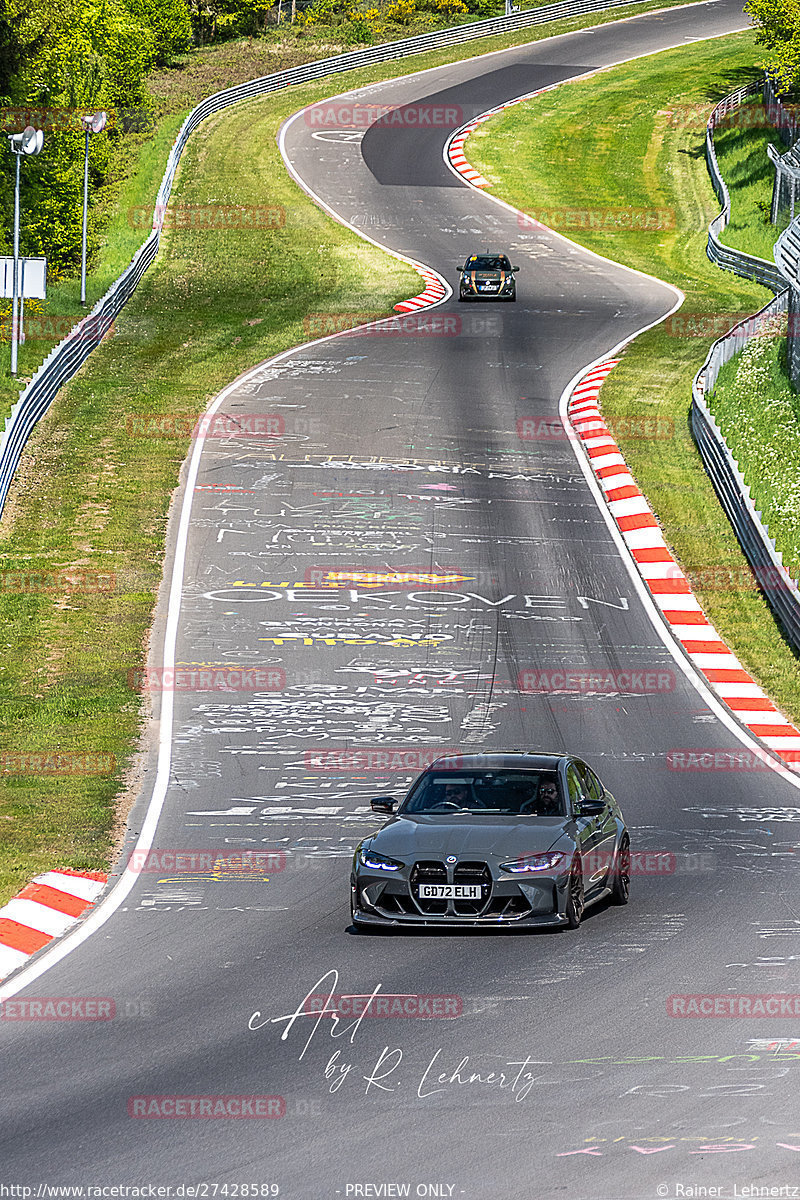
(93, 124)
(30, 141)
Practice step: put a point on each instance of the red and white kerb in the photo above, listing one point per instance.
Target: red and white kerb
(668, 585)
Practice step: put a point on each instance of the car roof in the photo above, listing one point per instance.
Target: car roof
(501, 760)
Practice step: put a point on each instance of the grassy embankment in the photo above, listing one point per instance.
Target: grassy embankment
(754, 402)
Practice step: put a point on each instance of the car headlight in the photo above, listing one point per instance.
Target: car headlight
(378, 862)
(534, 862)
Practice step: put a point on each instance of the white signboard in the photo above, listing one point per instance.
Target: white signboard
(32, 278)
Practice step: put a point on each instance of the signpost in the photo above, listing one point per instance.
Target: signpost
(32, 283)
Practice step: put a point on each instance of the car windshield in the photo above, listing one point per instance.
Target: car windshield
(503, 793)
(485, 262)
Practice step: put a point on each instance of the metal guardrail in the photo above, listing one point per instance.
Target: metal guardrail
(786, 188)
(729, 259)
(765, 559)
(779, 115)
(787, 252)
(69, 355)
(787, 256)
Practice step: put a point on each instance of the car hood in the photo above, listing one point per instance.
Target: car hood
(484, 276)
(469, 837)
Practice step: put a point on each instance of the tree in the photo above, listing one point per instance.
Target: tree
(171, 25)
(19, 44)
(778, 31)
(70, 57)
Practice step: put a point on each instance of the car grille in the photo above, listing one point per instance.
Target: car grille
(428, 872)
(472, 872)
(463, 873)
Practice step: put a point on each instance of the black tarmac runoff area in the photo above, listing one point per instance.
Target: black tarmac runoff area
(387, 576)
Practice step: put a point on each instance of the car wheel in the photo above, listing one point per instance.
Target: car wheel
(575, 895)
(512, 299)
(621, 884)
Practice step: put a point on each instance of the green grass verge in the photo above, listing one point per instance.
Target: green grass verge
(742, 157)
(757, 410)
(633, 153)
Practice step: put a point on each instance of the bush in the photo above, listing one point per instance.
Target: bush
(358, 31)
(484, 8)
(328, 12)
(402, 12)
(170, 23)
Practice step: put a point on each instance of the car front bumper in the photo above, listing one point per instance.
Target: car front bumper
(470, 293)
(508, 901)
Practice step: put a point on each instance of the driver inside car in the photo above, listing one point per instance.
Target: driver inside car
(544, 802)
(547, 799)
(460, 794)
(457, 793)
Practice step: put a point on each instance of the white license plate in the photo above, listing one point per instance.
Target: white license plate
(449, 891)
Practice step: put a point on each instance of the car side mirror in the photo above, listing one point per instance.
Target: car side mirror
(592, 808)
(383, 804)
(515, 268)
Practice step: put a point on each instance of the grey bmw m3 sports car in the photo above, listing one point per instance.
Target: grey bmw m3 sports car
(493, 839)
